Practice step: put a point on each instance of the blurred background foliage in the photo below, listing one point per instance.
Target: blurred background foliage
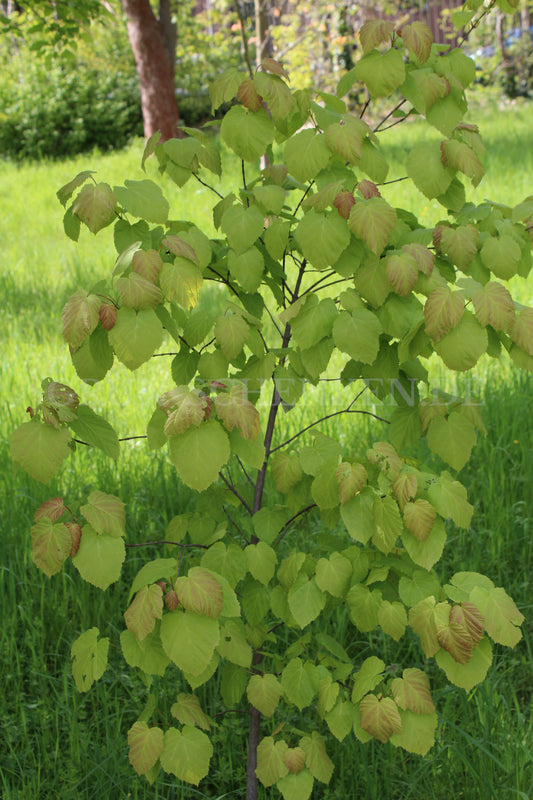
(56, 101)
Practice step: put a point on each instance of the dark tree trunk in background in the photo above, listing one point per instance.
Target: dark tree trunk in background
(153, 42)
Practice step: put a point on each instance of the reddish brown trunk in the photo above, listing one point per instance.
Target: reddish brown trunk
(154, 68)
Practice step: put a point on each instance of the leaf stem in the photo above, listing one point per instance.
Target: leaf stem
(287, 525)
(207, 186)
(236, 493)
(330, 416)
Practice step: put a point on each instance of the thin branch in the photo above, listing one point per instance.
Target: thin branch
(207, 186)
(302, 198)
(224, 280)
(158, 355)
(124, 439)
(327, 285)
(241, 465)
(236, 493)
(246, 52)
(244, 182)
(472, 27)
(269, 312)
(234, 524)
(319, 281)
(398, 122)
(396, 107)
(207, 344)
(232, 711)
(330, 416)
(287, 525)
(363, 112)
(396, 180)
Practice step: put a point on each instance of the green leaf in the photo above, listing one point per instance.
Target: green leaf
(442, 312)
(95, 205)
(333, 574)
(268, 522)
(387, 523)
(89, 659)
(374, 32)
(313, 321)
(460, 156)
(147, 655)
(340, 719)
(96, 431)
(80, 317)
(322, 238)
(275, 92)
(186, 754)
(199, 453)
(105, 513)
(373, 221)
(426, 553)
(99, 558)
(264, 692)
(350, 479)
(51, 545)
(306, 154)
(247, 133)
(381, 73)
(270, 763)
(242, 226)
(224, 88)
(142, 613)
(66, 191)
(296, 786)
(188, 711)
(154, 571)
(448, 498)
(189, 640)
(200, 592)
(461, 243)
(232, 683)
(261, 560)
(369, 676)
(146, 745)
(426, 170)
(357, 334)
(502, 256)
(317, 760)
(393, 619)
(446, 113)
(373, 162)
(418, 39)
(40, 449)
(143, 199)
(501, 616)
(181, 282)
(234, 645)
(135, 336)
(300, 682)
(417, 734)
(494, 306)
(346, 140)
(247, 267)
(468, 675)
(364, 606)
(452, 439)
(231, 332)
(94, 358)
(306, 600)
(358, 516)
(380, 717)
(402, 271)
(463, 346)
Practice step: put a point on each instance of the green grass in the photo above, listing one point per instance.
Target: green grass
(56, 743)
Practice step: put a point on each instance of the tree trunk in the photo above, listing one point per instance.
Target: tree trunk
(153, 44)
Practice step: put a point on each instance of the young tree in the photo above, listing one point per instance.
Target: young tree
(314, 275)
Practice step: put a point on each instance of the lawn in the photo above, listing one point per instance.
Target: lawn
(57, 743)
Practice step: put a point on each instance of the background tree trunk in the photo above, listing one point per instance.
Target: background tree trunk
(153, 42)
